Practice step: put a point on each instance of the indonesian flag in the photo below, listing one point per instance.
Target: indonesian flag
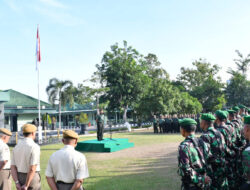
(38, 51)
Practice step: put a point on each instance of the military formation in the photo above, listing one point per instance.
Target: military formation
(220, 158)
(66, 168)
(170, 123)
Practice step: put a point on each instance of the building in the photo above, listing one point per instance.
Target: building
(17, 108)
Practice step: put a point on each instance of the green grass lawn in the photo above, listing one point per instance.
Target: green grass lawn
(121, 173)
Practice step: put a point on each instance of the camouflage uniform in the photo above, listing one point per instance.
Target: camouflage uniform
(240, 144)
(192, 166)
(246, 165)
(228, 133)
(216, 144)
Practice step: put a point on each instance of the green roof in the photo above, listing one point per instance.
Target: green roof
(4, 96)
(19, 100)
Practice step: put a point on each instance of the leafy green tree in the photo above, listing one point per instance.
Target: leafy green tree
(238, 89)
(203, 83)
(123, 75)
(59, 90)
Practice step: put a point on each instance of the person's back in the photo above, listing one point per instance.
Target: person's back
(67, 168)
(66, 161)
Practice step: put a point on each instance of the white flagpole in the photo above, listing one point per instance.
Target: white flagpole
(38, 88)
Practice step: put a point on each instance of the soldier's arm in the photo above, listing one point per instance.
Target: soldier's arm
(30, 175)
(51, 182)
(186, 171)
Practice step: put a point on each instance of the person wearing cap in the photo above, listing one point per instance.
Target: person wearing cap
(25, 163)
(5, 181)
(246, 154)
(216, 145)
(191, 158)
(238, 117)
(67, 168)
(100, 125)
(242, 110)
(228, 133)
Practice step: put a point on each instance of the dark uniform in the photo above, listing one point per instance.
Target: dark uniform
(155, 125)
(100, 126)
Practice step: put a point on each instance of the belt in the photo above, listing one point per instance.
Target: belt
(61, 182)
(27, 173)
(6, 169)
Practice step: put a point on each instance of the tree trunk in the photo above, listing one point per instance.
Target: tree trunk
(125, 114)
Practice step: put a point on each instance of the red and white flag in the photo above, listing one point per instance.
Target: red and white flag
(38, 50)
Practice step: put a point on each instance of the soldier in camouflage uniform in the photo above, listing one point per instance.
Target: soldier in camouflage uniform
(246, 155)
(155, 124)
(161, 124)
(191, 158)
(216, 145)
(227, 132)
(240, 145)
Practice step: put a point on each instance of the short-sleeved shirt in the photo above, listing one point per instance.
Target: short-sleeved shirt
(67, 165)
(25, 154)
(5, 154)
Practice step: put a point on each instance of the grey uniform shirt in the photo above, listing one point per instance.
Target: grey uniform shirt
(67, 165)
(25, 154)
(5, 154)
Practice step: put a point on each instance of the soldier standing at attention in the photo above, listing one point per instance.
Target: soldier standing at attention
(161, 124)
(155, 124)
(100, 125)
(25, 163)
(246, 154)
(67, 168)
(216, 145)
(191, 158)
(5, 181)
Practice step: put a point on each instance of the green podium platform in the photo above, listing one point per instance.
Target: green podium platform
(106, 145)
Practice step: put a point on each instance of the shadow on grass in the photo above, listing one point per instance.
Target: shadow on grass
(159, 173)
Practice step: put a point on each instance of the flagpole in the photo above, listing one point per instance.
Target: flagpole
(38, 59)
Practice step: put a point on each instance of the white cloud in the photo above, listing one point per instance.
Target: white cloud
(61, 17)
(12, 4)
(53, 3)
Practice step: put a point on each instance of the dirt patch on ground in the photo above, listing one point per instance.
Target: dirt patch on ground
(148, 151)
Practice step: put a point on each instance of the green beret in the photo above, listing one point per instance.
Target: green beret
(247, 120)
(187, 121)
(231, 111)
(221, 114)
(208, 117)
(236, 108)
(242, 106)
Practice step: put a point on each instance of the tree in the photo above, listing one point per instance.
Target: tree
(238, 89)
(123, 75)
(242, 63)
(203, 83)
(59, 90)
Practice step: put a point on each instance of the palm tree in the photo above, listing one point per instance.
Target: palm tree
(59, 90)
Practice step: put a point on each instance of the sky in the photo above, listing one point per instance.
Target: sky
(76, 33)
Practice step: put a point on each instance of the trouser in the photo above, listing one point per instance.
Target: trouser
(100, 129)
(245, 186)
(155, 128)
(161, 127)
(189, 187)
(35, 183)
(5, 180)
(65, 186)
